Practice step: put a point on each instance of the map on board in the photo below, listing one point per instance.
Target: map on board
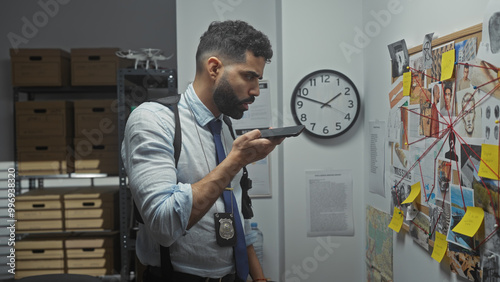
(378, 245)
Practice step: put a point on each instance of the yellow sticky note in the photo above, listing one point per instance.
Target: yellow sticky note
(406, 83)
(488, 167)
(397, 220)
(415, 192)
(440, 247)
(447, 64)
(471, 221)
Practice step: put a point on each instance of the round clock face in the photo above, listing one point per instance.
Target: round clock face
(326, 102)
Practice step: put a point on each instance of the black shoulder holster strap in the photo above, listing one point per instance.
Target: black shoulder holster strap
(245, 182)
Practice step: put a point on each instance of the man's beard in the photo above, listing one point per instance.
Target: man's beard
(226, 101)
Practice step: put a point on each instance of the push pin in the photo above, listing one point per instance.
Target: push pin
(496, 121)
(475, 87)
(439, 82)
(495, 225)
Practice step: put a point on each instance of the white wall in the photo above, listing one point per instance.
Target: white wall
(125, 24)
(312, 33)
(415, 19)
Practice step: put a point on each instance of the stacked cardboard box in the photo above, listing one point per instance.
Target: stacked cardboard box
(88, 255)
(93, 256)
(90, 209)
(38, 257)
(96, 136)
(95, 66)
(44, 130)
(67, 209)
(40, 67)
(40, 211)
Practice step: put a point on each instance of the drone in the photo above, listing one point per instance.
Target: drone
(144, 55)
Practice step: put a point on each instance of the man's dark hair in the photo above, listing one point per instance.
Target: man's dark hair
(230, 40)
(448, 86)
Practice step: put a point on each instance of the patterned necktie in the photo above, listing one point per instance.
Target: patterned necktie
(240, 250)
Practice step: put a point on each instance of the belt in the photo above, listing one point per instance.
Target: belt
(186, 277)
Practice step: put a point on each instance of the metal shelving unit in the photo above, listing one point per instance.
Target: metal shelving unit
(38, 181)
(132, 91)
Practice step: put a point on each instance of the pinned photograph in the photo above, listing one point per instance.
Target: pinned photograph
(427, 50)
(469, 113)
(489, 49)
(400, 58)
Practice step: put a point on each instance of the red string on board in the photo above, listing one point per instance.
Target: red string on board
(446, 132)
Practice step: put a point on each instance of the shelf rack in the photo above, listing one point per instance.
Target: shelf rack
(132, 91)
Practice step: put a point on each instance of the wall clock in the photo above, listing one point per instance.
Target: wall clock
(326, 102)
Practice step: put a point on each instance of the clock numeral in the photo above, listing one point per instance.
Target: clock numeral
(303, 117)
(347, 91)
(303, 92)
(348, 116)
(325, 130)
(325, 78)
(338, 126)
(312, 82)
(313, 124)
(351, 103)
(300, 104)
(338, 81)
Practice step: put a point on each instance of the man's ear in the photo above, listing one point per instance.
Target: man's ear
(214, 67)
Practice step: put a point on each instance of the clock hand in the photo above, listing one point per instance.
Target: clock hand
(327, 103)
(316, 101)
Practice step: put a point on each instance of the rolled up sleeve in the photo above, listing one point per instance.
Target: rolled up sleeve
(148, 156)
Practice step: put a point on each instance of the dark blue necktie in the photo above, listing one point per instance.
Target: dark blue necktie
(240, 250)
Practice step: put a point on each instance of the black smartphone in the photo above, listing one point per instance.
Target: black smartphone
(289, 131)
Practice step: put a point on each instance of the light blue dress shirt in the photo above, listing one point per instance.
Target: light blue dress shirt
(163, 193)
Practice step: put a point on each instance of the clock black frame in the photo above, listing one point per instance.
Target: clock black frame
(338, 74)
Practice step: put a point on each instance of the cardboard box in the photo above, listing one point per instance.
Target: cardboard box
(41, 254)
(42, 203)
(107, 164)
(91, 209)
(40, 67)
(44, 119)
(87, 213)
(29, 244)
(90, 263)
(98, 158)
(96, 66)
(99, 196)
(39, 225)
(96, 120)
(79, 243)
(40, 264)
(48, 214)
(41, 199)
(95, 224)
(89, 253)
(43, 162)
(42, 156)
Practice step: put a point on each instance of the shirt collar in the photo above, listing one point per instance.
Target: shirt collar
(201, 113)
